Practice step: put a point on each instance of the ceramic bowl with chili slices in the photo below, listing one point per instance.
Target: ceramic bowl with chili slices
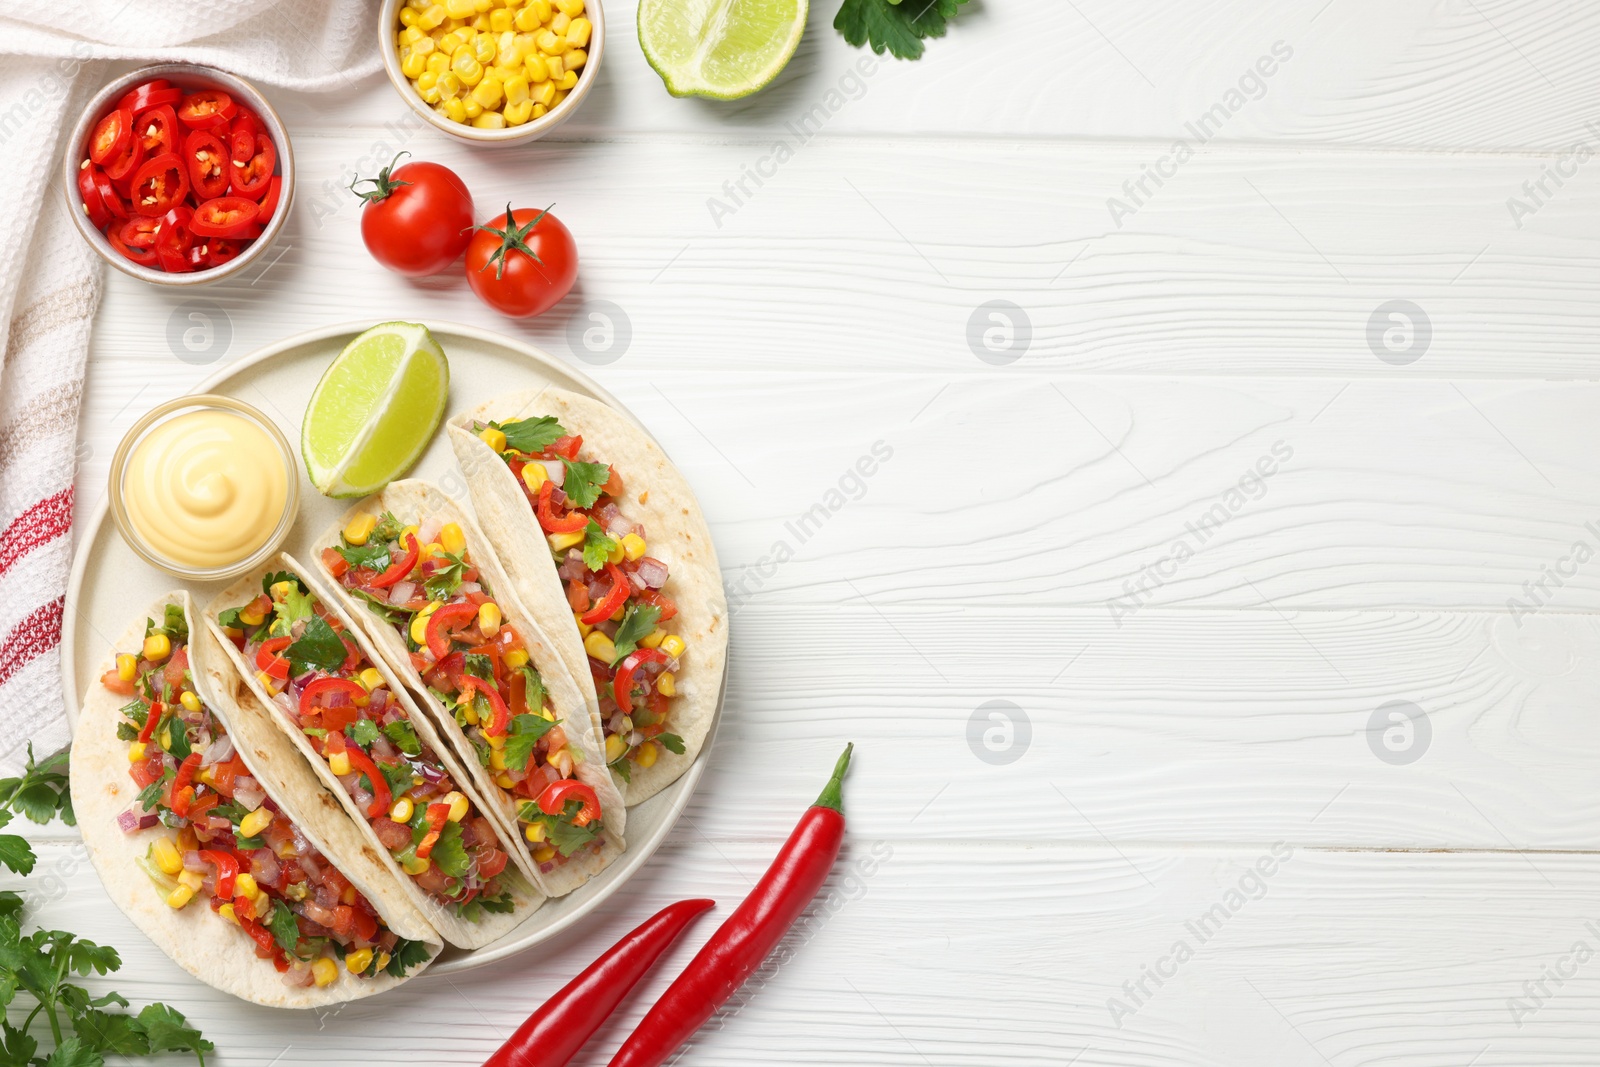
(179, 174)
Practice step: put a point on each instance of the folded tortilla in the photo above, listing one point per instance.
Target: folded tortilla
(416, 503)
(198, 939)
(655, 496)
(241, 680)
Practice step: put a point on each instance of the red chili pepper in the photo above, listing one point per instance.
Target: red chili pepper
(400, 568)
(442, 621)
(324, 686)
(437, 815)
(268, 660)
(622, 688)
(558, 1029)
(182, 791)
(553, 523)
(363, 763)
(227, 865)
(613, 599)
(553, 801)
(747, 937)
(152, 717)
(500, 720)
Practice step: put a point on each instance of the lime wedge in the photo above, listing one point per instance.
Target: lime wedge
(723, 49)
(375, 409)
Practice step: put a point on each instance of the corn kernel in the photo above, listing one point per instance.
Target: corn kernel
(534, 474)
(190, 700)
(516, 90)
(653, 639)
(583, 627)
(251, 617)
(458, 805)
(180, 896)
(525, 20)
(358, 961)
(497, 759)
(414, 65)
(500, 20)
(192, 879)
(575, 59)
(673, 646)
(267, 682)
(408, 16)
(503, 780)
(495, 740)
(600, 647)
(633, 545)
(157, 648)
(489, 93)
(646, 756)
(127, 666)
(550, 43)
(666, 684)
(495, 439)
(259, 820)
(459, 9)
(534, 832)
(560, 542)
(509, 50)
(545, 95)
(263, 904)
(489, 618)
(419, 622)
(543, 8)
(166, 855)
(579, 32)
(466, 67)
(438, 63)
(570, 8)
(452, 539)
(339, 764)
(538, 70)
(484, 48)
(517, 114)
(559, 24)
(403, 810)
(245, 885)
(431, 16)
(544, 854)
(383, 959)
(324, 972)
(615, 747)
(450, 44)
(358, 529)
(516, 659)
(454, 110)
(569, 80)
(415, 864)
(226, 911)
(472, 108)
(136, 752)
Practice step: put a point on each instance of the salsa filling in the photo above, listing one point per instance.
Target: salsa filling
(422, 581)
(614, 587)
(324, 684)
(215, 833)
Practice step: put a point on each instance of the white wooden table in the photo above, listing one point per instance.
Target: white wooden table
(1175, 502)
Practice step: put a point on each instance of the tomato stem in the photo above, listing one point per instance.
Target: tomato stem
(512, 238)
(383, 185)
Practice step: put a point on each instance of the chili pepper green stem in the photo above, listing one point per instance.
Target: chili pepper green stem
(833, 793)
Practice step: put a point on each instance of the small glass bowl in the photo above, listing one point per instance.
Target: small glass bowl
(183, 405)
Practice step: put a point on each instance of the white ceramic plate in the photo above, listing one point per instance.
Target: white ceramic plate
(109, 584)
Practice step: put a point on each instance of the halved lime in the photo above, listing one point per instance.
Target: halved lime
(723, 49)
(375, 409)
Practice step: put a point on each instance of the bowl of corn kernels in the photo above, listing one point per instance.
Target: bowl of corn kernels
(492, 71)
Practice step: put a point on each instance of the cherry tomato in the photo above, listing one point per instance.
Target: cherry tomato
(111, 136)
(417, 219)
(226, 216)
(522, 262)
(206, 108)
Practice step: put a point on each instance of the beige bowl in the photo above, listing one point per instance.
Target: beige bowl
(389, 25)
(185, 76)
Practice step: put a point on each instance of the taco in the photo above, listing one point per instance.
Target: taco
(607, 547)
(329, 690)
(423, 580)
(211, 834)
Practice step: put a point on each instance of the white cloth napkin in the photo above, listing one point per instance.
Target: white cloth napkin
(53, 56)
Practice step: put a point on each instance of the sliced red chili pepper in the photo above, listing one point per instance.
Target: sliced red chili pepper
(122, 166)
(251, 177)
(207, 160)
(401, 567)
(108, 195)
(206, 109)
(363, 763)
(328, 686)
(269, 661)
(219, 250)
(269, 203)
(111, 136)
(227, 865)
(553, 523)
(154, 93)
(614, 598)
(160, 184)
(151, 720)
(266, 945)
(225, 216)
(443, 621)
(500, 717)
(174, 241)
(157, 130)
(622, 687)
(437, 816)
(140, 232)
(242, 133)
(562, 1025)
(145, 257)
(553, 801)
(182, 792)
(749, 935)
(567, 447)
(94, 204)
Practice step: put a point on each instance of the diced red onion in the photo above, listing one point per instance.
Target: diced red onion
(653, 571)
(469, 587)
(598, 588)
(264, 867)
(636, 580)
(572, 568)
(298, 977)
(362, 798)
(402, 592)
(429, 772)
(337, 699)
(557, 471)
(377, 701)
(219, 751)
(248, 791)
(557, 497)
(614, 724)
(131, 821)
(298, 628)
(288, 705)
(428, 532)
(193, 862)
(382, 749)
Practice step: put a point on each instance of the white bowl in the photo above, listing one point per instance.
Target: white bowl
(389, 25)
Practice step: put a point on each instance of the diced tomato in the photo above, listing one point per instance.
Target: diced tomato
(660, 600)
(365, 925)
(578, 595)
(613, 486)
(223, 774)
(336, 564)
(491, 861)
(567, 447)
(146, 772)
(114, 682)
(177, 663)
(393, 835)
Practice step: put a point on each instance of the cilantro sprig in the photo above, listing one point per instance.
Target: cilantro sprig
(895, 26)
(531, 436)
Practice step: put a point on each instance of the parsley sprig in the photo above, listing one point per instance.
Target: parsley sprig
(896, 26)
